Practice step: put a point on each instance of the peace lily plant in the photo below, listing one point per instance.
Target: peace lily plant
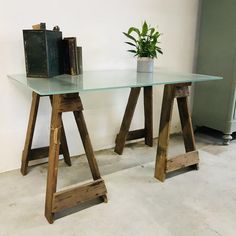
(145, 46)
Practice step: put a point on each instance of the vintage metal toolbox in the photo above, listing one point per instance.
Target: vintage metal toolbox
(43, 52)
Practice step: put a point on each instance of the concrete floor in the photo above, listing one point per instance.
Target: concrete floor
(189, 203)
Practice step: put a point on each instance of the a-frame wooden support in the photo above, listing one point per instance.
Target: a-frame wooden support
(30, 154)
(59, 200)
(190, 158)
(147, 133)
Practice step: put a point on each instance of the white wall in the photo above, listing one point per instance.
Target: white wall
(97, 26)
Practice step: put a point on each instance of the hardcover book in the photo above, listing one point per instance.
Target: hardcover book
(70, 60)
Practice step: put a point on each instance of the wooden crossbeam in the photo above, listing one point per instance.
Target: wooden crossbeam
(70, 103)
(181, 92)
(75, 195)
(182, 161)
(38, 153)
(136, 134)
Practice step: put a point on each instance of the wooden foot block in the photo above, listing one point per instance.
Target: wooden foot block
(182, 161)
(75, 195)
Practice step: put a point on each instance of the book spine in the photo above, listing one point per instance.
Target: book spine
(73, 57)
(70, 56)
(79, 60)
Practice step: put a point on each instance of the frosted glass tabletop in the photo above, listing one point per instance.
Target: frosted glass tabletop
(104, 80)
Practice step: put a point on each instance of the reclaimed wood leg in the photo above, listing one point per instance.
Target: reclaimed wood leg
(186, 124)
(30, 133)
(70, 197)
(148, 115)
(79, 118)
(56, 124)
(64, 145)
(190, 158)
(164, 132)
(129, 112)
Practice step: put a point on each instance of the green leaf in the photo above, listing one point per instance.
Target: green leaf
(130, 37)
(157, 35)
(155, 54)
(131, 44)
(152, 30)
(154, 41)
(144, 29)
(160, 51)
(133, 29)
(133, 51)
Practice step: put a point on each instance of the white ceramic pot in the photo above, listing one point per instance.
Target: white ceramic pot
(145, 64)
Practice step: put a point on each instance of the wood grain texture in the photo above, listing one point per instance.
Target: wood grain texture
(164, 132)
(163, 166)
(39, 153)
(64, 145)
(135, 134)
(70, 103)
(55, 135)
(30, 132)
(126, 122)
(182, 161)
(181, 92)
(148, 115)
(79, 118)
(58, 145)
(75, 195)
(186, 124)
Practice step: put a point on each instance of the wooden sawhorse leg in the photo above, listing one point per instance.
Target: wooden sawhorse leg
(57, 201)
(38, 153)
(30, 133)
(190, 158)
(147, 133)
(64, 146)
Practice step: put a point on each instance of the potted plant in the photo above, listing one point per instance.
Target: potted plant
(145, 43)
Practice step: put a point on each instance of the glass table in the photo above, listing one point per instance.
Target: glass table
(105, 80)
(63, 92)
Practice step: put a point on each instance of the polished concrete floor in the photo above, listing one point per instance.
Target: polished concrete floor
(189, 203)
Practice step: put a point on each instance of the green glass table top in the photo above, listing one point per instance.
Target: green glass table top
(104, 80)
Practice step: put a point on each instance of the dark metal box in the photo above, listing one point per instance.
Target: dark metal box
(43, 53)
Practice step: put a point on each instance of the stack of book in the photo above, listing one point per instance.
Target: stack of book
(48, 54)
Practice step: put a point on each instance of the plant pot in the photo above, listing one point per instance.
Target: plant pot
(145, 64)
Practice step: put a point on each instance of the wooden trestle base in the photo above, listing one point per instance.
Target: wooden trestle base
(57, 201)
(190, 158)
(163, 165)
(147, 133)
